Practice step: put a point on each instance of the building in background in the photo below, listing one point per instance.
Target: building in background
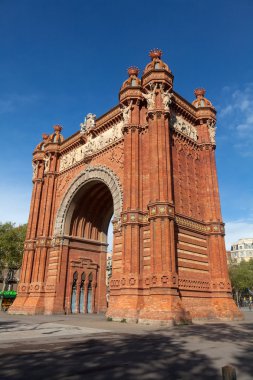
(242, 250)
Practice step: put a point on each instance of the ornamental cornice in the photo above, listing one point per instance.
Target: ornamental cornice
(208, 228)
(184, 107)
(162, 76)
(130, 93)
(191, 224)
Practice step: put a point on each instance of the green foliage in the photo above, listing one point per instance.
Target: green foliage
(11, 245)
(8, 294)
(241, 275)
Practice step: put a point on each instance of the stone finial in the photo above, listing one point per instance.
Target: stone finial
(57, 128)
(45, 136)
(199, 92)
(200, 100)
(133, 70)
(155, 53)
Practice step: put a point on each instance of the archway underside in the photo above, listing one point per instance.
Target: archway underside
(87, 224)
(92, 213)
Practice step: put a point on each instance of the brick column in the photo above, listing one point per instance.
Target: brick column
(223, 303)
(24, 286)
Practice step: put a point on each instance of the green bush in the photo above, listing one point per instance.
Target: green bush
(8, 294)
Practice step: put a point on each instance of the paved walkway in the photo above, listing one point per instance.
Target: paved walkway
(89, 347)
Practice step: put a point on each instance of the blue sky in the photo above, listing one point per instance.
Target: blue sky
(60, 60)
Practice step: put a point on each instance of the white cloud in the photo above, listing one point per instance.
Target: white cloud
(237, 116)
(238, 229)
(226, 110)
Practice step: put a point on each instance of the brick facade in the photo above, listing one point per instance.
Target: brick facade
(150, 162)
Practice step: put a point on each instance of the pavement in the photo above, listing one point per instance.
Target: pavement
(90, 347)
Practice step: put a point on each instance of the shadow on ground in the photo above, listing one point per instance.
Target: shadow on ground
(162, 354)
(115, 357)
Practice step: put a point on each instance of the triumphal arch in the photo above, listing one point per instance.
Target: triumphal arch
(150, 163)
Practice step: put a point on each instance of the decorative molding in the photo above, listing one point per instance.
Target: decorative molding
(134, 217)
(92, 146)
(190, 284)
(100, 173)
(191, 224)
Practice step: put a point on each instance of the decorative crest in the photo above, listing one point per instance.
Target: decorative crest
(89, 123)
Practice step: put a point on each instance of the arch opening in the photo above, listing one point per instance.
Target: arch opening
(86, 226)
(90, 212)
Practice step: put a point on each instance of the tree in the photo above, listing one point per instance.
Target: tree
(11, 246)
(241, 277)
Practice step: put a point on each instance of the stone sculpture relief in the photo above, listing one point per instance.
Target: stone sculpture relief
(181, 125)
(92, 146)
(166, 97)
(150, 97)
(35, 169)
(212, 130)
(89, 123)
(126, 112)
(47, 163)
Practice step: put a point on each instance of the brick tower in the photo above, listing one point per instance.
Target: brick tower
(149, 162)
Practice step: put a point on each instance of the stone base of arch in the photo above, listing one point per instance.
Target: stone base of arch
(170, 309)
(18, 305)
(29, 305)
(158, 307)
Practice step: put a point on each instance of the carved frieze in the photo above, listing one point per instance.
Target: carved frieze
(92, 146)
(180, 124)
